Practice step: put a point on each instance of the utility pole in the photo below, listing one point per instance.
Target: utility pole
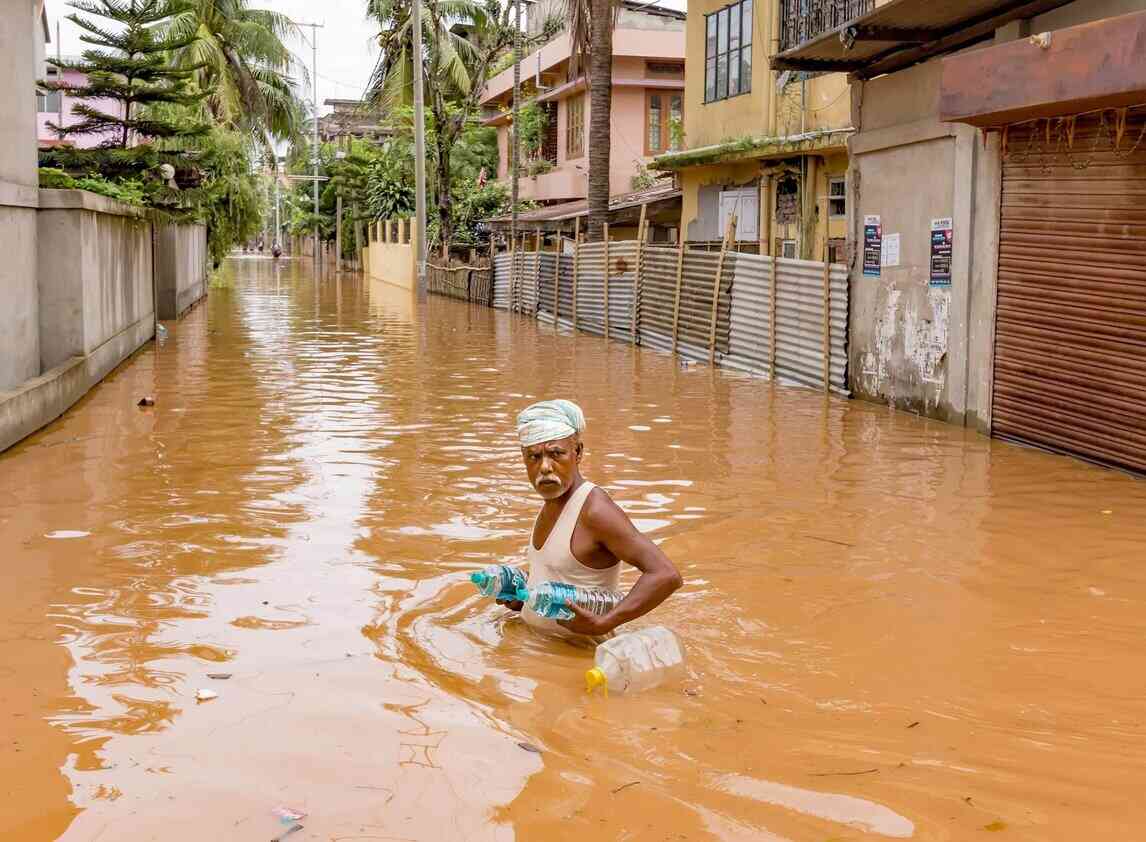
(314, 27)
(516, 151)
(278, 218)
(419, 150)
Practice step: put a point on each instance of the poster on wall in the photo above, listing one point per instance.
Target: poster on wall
(889, 254)
(872, 245)
(941, 230)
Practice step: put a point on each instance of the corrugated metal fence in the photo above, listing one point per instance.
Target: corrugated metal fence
(775, 317)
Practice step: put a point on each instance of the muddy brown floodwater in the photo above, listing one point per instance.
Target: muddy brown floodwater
(894, 629)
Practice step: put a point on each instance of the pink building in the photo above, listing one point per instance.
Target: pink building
(648, 89)
(48, 106)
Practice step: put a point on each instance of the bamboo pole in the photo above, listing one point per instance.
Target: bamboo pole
(774, 282)
(605, 230)
(576, 264)
(512, 273)
(637, 277)
(729, 233)
(338, 233)
(521, 275)
(827, 321)
(764, 217)
(557, 277)
(537, 272)
(679, 278)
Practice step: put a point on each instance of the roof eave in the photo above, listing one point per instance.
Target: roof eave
(731, 152)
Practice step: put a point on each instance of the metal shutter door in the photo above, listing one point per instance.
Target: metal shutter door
(1070, 334)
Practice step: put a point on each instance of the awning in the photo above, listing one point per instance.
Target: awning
(659, 200)
(753, 148)
(904, 32)
(1070, 71)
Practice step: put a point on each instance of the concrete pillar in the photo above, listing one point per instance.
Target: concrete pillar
(21, 40)
(808, 195)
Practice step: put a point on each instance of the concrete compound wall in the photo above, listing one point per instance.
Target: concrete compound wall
(390, 255)
(19, 314)
(95, 303)
(95, 276)
(917, 347)
(180, 268)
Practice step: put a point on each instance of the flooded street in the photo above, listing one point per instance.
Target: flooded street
(894, 628)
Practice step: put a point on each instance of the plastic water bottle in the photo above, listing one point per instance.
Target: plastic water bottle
(552, 598)
(499, 581)
(629, 663)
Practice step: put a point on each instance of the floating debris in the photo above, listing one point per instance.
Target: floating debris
(206, 695)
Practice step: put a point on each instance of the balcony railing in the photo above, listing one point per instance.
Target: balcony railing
(805, 20)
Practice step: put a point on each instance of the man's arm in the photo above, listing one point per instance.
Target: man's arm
(611, 528)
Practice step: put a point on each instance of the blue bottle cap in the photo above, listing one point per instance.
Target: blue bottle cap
(480, 578)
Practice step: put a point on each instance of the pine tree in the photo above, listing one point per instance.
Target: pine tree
(133, 69)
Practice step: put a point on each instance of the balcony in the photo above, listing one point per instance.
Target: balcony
(560, 185)
(805, 20)
(868, 38)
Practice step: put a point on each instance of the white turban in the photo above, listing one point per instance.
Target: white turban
(549, 421)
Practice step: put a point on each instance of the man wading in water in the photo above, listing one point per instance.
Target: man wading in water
(581, 536)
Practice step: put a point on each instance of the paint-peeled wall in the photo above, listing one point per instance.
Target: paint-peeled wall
(916, 342)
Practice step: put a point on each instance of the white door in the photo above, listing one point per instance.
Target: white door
(745, 203)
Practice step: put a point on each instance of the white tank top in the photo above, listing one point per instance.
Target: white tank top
(555, 561)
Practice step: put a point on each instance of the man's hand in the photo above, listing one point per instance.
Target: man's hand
(587, 623)
(511, 604)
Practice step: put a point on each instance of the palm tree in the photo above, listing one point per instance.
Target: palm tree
(591, 25)
(456, 65)
(239, 56)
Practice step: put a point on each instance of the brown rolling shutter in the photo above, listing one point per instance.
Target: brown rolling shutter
(1070, 336)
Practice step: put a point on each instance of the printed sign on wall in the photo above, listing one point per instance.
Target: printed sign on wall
(872, 245)
(941, 230)
(890, 252)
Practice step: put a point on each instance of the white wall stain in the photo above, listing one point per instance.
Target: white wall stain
(877, 360)
(925, 343)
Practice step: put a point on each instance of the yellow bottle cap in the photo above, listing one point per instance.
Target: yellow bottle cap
(595, 678)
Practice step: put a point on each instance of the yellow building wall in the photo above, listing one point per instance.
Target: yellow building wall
(827, 101)
(818, 103)
(747, 114)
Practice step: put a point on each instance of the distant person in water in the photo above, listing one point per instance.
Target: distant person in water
(581, 536)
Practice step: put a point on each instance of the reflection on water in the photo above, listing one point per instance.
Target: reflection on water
(894, 629)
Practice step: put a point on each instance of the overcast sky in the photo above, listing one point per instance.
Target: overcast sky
(346, 52)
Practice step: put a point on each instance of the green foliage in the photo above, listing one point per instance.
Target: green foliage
(131, 192)
(502, 64)
(238, 56)
(474, 151)
(132, 70)
(531, 123)
(644, 179)
(676, 132)
(388, 194)
(229, 199)
(472, 204)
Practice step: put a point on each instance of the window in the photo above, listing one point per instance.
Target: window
(575, 127)
(663, 112)
(48, 102)
(728, 52)
(664, 69)
(788, 249)
(745, 203)
(837, 198)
